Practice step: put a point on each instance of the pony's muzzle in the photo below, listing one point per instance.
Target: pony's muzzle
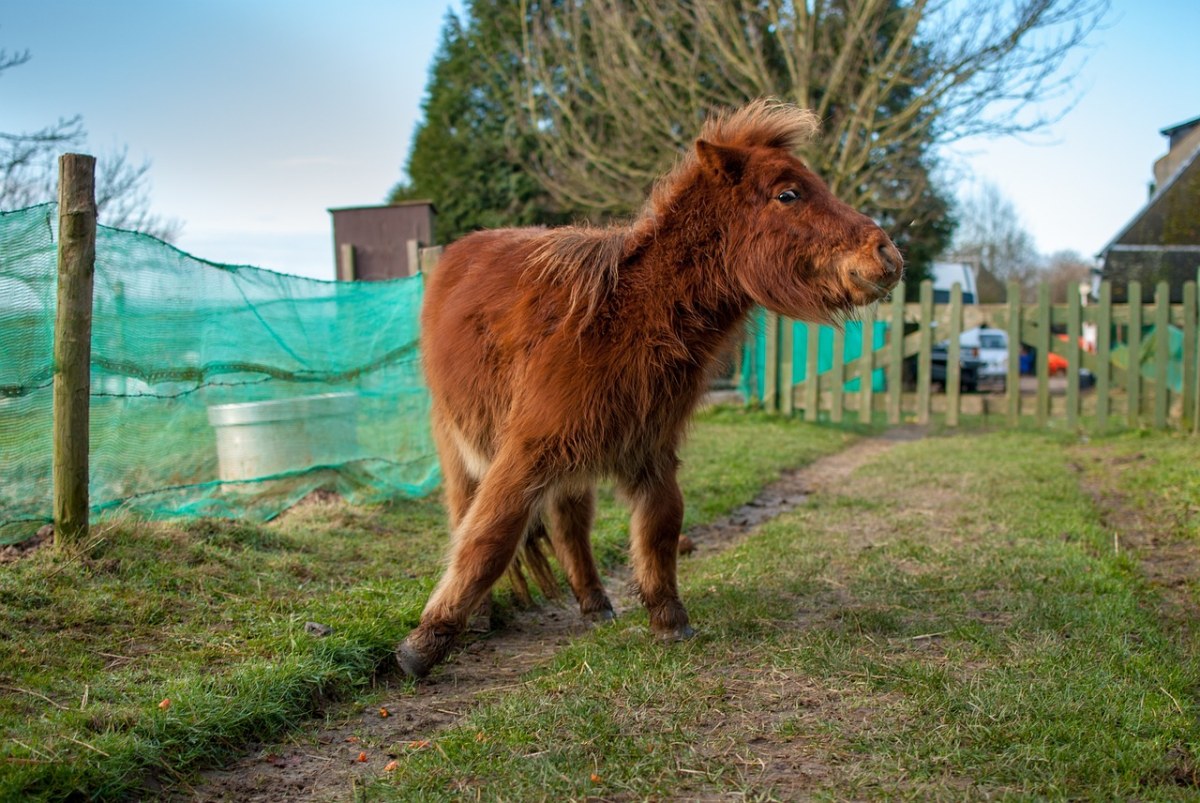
(891, 261)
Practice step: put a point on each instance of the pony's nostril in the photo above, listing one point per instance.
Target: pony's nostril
(889, 258)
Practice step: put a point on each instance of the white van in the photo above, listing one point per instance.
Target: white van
(990, 347)
(945, 274)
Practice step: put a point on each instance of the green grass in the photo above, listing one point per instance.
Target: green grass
(210, 615)
(953, 624)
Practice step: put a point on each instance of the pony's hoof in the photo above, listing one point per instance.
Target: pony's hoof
(601, 617)
(682, 633)
(412, 662)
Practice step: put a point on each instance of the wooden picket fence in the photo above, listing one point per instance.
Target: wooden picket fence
(1119, 396)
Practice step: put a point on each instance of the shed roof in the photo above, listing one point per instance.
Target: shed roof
(418, 202)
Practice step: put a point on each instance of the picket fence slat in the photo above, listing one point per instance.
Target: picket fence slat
(895, 375)
(1104, 355)
(866, 382)
(1133, 373)
(1012, 382)
(812, 379)
(787, 365)
(953, 357)
(1162, 349)
(925, 354)
(1190, 335)
(1074, 331)
(771, 369)
(837, 376)
(1043, 355)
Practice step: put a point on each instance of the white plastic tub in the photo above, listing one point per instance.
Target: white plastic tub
(258, 439)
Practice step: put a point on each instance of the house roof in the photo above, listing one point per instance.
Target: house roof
(1170, 130)
(1159, 192)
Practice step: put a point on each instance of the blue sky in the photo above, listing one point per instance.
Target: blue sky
(260, 116)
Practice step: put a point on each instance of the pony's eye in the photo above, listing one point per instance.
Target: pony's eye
(787, 197)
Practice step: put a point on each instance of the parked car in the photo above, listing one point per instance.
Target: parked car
(968, 368)
(990, 347)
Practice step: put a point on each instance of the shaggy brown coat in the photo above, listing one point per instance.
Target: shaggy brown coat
(557, 357)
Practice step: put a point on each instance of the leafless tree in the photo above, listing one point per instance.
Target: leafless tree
(612, 89)
(1065, 271)
(991, 236)
(29, 172)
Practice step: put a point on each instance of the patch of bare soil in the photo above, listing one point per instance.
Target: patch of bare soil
(15, 552)
(355, 746)
(1170, 562)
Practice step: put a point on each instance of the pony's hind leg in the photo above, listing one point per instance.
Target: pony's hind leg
(459, 485)
(570, 515)
(483, 546)
(654, 544)
(459, 482)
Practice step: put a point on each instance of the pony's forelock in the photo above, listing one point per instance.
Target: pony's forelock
(765, 122)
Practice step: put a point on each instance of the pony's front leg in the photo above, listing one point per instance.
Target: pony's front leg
(483, 547)
(654, 544)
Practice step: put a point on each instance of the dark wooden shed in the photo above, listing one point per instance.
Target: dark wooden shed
(381, 242)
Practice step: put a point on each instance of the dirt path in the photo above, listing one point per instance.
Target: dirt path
(327, 761)
(1171, 563)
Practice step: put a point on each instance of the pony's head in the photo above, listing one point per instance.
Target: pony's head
(790, 243)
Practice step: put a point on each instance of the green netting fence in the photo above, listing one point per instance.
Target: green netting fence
(216, 390)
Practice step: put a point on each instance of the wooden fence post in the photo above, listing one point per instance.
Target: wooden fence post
(428, 258)
(73, 346)
(346, 272)
(413, 251)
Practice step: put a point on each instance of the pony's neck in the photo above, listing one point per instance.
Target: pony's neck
(681, 254)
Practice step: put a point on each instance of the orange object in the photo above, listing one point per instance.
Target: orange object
(362, 757)
(383, 712)
(595, 778)
(1057, 363)
(391, 766)
(165, 704)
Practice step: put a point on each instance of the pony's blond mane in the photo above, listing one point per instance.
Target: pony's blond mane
(587, 258)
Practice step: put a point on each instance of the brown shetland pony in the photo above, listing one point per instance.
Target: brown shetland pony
(559, 356)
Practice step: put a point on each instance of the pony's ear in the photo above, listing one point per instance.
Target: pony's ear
(721, 160)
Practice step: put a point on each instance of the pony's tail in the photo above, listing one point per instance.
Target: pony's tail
(531, 559)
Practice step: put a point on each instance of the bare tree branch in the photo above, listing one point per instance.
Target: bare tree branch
(29, 172)
(612, 89)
